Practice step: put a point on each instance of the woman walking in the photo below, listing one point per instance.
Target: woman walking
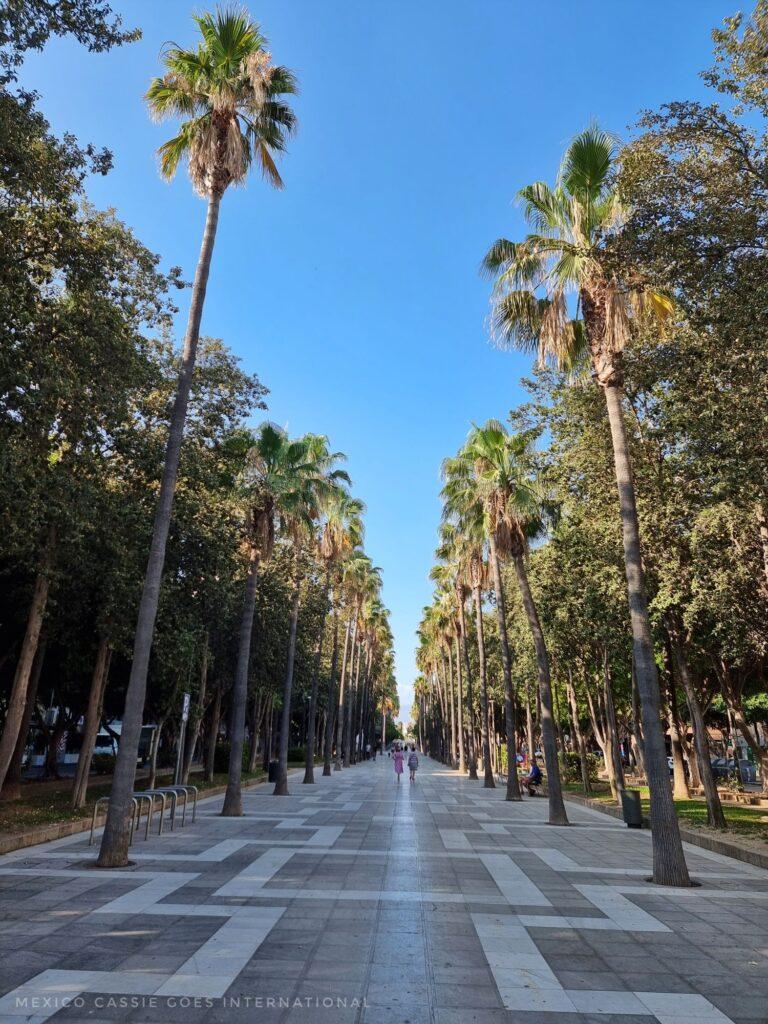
(397, 758)
(413, 763)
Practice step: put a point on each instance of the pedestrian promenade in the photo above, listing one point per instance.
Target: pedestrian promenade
(360, 899)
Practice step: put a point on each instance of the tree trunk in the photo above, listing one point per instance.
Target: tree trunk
(193, 730)
(637, 731)
(600, 731)
(460, 707)
(451, 699)
(530, 738)
(488, 782)
(114, 843)
(354, 660)
(18, 700)
(155, 747)
(679, 780)
(715, 815)
(557, 815)
(470, 696)
(281, 786)
(578, 735)
(340, 707)
(331, 695)
(669, 867)
(92, 720)
(510, 723)
(309, 761)
(612, 732)
(12, 786)
(213, 734)
(233, 798)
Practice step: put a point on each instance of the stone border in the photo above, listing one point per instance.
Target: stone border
(731, 847)
(58, 830)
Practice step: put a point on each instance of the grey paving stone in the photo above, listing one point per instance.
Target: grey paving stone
(417, 960)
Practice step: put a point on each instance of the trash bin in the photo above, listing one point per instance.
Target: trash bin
(273, 769)
(631, 808)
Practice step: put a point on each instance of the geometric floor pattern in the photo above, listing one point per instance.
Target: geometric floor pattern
(362, 900)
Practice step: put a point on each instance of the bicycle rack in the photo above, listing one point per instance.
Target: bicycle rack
(155, 794)
(176, 792)
(105, 800)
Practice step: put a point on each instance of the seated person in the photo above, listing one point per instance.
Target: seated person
(533, 779)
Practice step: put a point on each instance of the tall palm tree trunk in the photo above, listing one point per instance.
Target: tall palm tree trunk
(488, 782)
(281, 786)
(233, 799)
(669, 867)
(513, 783)
(470, 697)
(340, 707)
(557, 815)
(460, 707)
(329, 716)
(354, 679)
(114, 843)
(309, 760)
(452, 702)
(91, 727)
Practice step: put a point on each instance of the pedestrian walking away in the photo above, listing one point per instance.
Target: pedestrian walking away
(413, 763)
(397, 757)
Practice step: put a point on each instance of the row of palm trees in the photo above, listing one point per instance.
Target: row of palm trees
(559, 295)
(233, 103)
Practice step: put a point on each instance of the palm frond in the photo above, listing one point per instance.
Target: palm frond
(587, 163)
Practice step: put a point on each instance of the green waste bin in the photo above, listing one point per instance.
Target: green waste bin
(631, 808)
(274, 771)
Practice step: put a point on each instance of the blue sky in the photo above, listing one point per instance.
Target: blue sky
(354, 294)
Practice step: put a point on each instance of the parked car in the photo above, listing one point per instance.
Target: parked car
(725, 767)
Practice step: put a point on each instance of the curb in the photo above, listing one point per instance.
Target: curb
(725, 847)
(59, 830)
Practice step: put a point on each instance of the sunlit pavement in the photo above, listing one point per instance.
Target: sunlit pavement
(361, 899)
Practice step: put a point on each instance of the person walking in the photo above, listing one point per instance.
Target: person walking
(397, 757)
(413, 763)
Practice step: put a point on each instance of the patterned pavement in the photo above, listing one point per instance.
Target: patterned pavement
(361, 900)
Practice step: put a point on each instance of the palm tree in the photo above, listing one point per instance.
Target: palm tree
(229, 95)
(360, 578)
(450, 572)
(462, 507)
(340, 533)
(566, 253)
(277, 474)
(499, 468)
(298, 519)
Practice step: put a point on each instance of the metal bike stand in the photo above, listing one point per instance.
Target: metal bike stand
(105, 800)
(170, 791)
(140, 797)
(181, 791)
(187, 788)
(156, 793)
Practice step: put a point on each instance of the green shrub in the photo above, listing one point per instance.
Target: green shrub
(572, 767)
(297, 754)
(221, 757)
(103, 764)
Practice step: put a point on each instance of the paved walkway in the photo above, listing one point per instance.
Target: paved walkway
(363, 901)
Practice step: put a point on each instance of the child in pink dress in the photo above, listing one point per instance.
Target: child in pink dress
(397, 757)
